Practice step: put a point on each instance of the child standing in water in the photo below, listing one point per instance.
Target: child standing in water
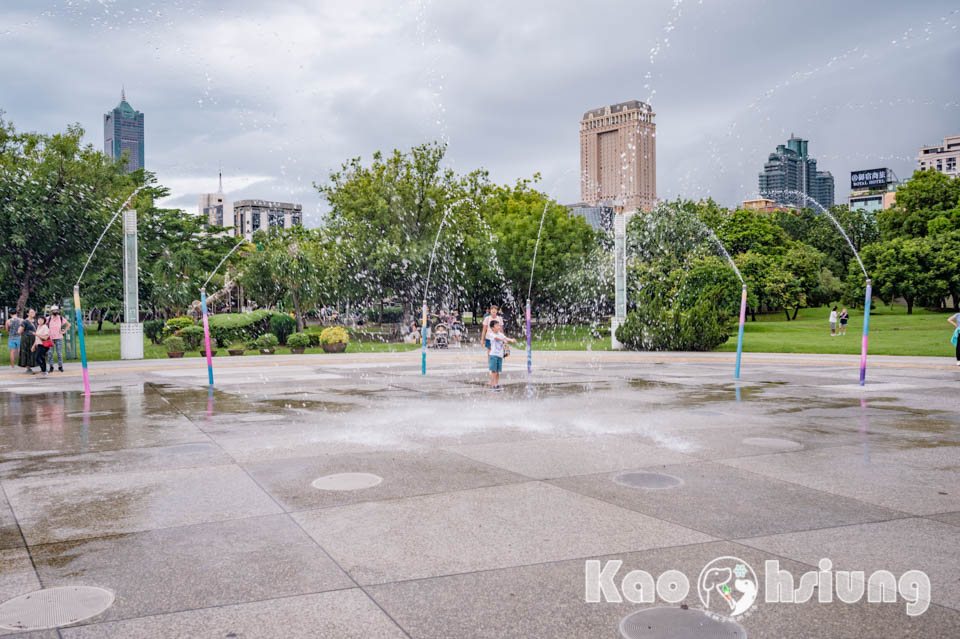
(497, 342)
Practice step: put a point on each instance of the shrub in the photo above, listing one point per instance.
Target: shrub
(237, 346)
(174, 344)
(175, 324)
(192, 336)
(314, 338)
(267, 341)
(334, 335)
(653, 327)
(153, 329)
(228, 328)
(298, 340)
(282, 326)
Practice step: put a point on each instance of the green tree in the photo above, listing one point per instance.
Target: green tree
(56, 196)
(930, 197)
(899, 268)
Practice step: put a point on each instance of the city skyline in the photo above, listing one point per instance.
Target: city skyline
(281, 99)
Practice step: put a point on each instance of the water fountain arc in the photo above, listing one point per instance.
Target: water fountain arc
(203, 305)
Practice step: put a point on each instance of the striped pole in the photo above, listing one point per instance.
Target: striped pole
(529, 338)
(743, 318)
(423, 341)
(206, 335)
(866, 334)
(83, 347)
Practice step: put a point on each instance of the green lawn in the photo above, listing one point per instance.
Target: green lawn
(892, 332)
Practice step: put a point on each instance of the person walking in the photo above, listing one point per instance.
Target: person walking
(42, 345)
(12, 326)
(28, 328)
(955, 340)
(833, 322)
(58, 326)
(844, 316)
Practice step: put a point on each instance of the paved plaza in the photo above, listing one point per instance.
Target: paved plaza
(464, 513)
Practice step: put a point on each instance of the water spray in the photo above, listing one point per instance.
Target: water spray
(426, 288)
(203, 305)
(76, 291)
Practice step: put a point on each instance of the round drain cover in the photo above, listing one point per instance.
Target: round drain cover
(347, 481)
(54, 607)
(678, 623)
(647, 480)
(772, 442)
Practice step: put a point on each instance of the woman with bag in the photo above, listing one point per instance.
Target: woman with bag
(42, 344)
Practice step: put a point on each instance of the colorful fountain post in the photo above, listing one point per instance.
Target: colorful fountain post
(866, 334)
(529, 340)
(743, 318)
(423, 341)
(83, 347)
(206, 335)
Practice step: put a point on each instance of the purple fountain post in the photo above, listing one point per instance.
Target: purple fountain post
(206, 335)
(529, 344)
(743, 318)
(866, 334)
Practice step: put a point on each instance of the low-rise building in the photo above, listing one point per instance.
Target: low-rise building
(250, 216)
(765, 205)
(941, 157)
(873, 190)
(215, 208)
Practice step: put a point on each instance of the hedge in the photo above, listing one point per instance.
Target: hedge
(229, 328)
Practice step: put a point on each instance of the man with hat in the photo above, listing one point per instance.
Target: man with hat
(58, 326)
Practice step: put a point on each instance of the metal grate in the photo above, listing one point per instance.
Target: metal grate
(678, 623)
(54, 607)
(639, 479)
(347, 481)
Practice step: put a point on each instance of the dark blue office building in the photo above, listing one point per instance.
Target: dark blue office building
(123, 134)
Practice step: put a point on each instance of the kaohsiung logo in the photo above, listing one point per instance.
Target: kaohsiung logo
(728, 586)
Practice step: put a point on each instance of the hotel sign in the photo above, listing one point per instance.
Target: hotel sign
(869, 179)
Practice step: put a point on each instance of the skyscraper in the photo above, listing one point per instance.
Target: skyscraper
(790, 173)
(123, 133)
(618, 156)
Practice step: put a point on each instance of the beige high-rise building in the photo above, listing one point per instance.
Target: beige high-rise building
(618, 156)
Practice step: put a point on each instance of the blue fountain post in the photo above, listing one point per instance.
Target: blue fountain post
(866, 334)
(206, 335)
(83, 347)
(423, 341)
(743, 318)
(529, 340)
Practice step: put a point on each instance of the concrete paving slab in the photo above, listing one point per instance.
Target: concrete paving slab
(761, 506)
(191, 567)
(345, 614)
(479, 530)
(947, 518)
(547, 601)
(405, 474)
(84, 506)
(866, 473)
(548, 458)
(898, 546)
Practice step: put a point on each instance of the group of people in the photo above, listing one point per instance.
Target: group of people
(443, 329)
(843, 316)
(34, 340)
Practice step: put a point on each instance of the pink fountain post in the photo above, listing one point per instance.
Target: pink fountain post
(743, 318)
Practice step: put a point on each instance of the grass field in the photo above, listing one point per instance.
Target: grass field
(892, 332)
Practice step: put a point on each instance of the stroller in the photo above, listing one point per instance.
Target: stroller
(441, 336)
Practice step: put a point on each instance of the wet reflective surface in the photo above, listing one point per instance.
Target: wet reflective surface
(197, 508)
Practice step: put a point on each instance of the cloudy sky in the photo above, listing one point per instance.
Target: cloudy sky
(281, 92)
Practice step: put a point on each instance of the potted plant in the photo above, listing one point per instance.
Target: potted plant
(237, 348)
(267, 343)
(298, 342)
(213, 348)
(334, 339)
(175, 347)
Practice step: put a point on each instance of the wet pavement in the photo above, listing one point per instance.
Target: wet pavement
(197, 509)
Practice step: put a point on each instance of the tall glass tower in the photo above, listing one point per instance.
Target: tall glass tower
(123, 133)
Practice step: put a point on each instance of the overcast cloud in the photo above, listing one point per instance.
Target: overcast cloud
(279, 93)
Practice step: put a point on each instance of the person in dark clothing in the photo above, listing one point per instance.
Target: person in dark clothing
(28, 331)
(42, 345)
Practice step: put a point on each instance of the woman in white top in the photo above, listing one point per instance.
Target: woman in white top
(833, 322)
